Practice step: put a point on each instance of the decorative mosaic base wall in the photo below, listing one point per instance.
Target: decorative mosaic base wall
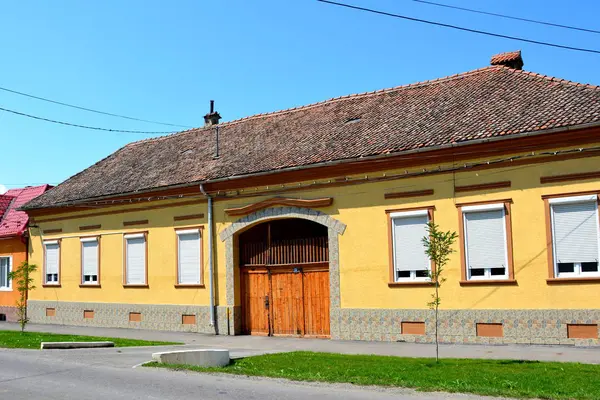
(10, 312)
(459, 326)
(114, 315)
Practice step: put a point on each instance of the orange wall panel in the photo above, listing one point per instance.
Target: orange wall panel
(18, 251)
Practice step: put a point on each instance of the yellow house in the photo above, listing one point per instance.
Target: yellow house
(308, 222)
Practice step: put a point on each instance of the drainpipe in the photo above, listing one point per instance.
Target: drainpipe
(211, 285)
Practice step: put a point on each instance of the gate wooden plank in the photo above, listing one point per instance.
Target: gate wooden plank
(316, 303)
(254, 291)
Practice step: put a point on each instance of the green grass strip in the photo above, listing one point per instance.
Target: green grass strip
(32, 340)
(509, 378)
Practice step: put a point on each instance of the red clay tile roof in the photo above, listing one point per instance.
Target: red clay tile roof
(14, 222)
(494, 101)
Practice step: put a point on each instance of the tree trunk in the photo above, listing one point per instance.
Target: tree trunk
(437, 306)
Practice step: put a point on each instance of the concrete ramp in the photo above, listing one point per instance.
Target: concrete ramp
(201, 357)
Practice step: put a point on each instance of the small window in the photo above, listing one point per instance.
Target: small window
(575, 236)
(135, 259)
(5, 268)
(90, 257)
(51, 262)
(485, 242)
(188, 256)
(410, 261)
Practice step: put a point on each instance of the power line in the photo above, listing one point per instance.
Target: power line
(533, 21)
(560, 46)
(91, 110)
(80, 126)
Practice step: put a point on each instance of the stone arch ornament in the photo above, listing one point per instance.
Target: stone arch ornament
(334, 228)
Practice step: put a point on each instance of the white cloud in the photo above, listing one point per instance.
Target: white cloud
(3, 189)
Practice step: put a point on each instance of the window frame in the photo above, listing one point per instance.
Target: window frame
(568, 198)
(181, 231)
(45, 276)
(133, 235)
(82, 240)
(7, 288)
(509, 277)
(399, 213)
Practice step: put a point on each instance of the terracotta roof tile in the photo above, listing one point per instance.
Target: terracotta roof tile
(485, 103)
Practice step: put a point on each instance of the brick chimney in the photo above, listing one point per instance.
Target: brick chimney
(511, 59)
(212, 118)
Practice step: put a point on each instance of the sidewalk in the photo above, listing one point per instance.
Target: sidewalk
(259, 344)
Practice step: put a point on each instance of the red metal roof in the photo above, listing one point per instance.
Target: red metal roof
(13, 222)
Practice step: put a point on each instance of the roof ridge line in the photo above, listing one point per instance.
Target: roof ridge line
(330, 100)
(552, 78)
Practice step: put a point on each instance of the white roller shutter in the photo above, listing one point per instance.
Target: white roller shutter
(575, 232)
(52, 257)
(189, 257)
(409, 251)
(485, 239)
(136, 260)
(89, 257)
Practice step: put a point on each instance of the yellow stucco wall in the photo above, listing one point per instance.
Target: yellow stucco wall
(363, 247)
(161, 258)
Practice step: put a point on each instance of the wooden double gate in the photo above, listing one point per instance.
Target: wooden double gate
(286, 301)
(285, 287)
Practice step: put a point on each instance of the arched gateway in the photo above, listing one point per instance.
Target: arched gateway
(283, 263)
(284, 278)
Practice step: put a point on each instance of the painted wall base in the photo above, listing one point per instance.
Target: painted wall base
(115, 315)
(459, 326)
(456, 326)
(10, 312)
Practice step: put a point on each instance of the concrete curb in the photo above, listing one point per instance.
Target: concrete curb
(75, 345)
(202, 357)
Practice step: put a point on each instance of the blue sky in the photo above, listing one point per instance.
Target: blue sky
(165, 60)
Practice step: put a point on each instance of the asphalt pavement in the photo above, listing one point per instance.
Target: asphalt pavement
(109, 374)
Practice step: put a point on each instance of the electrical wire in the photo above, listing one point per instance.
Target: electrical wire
(460, 28)
(533, 21)
(80, 126)
(91, 110)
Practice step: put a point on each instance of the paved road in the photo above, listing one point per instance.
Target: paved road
(108, 374)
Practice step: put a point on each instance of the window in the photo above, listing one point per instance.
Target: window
(485, 242)
(409, 258)
(5, 268)
(188, 257)
(90, 260)
(135, 259)
(51, 262)
(575, 236)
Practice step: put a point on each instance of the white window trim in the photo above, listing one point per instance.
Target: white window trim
(405, 214)
(487, 271)
(413, 273)
(573, 199)
(45, 280)
(187, 231)
(134, 235)
(577, 273)
(10, 268)
(90, 240)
